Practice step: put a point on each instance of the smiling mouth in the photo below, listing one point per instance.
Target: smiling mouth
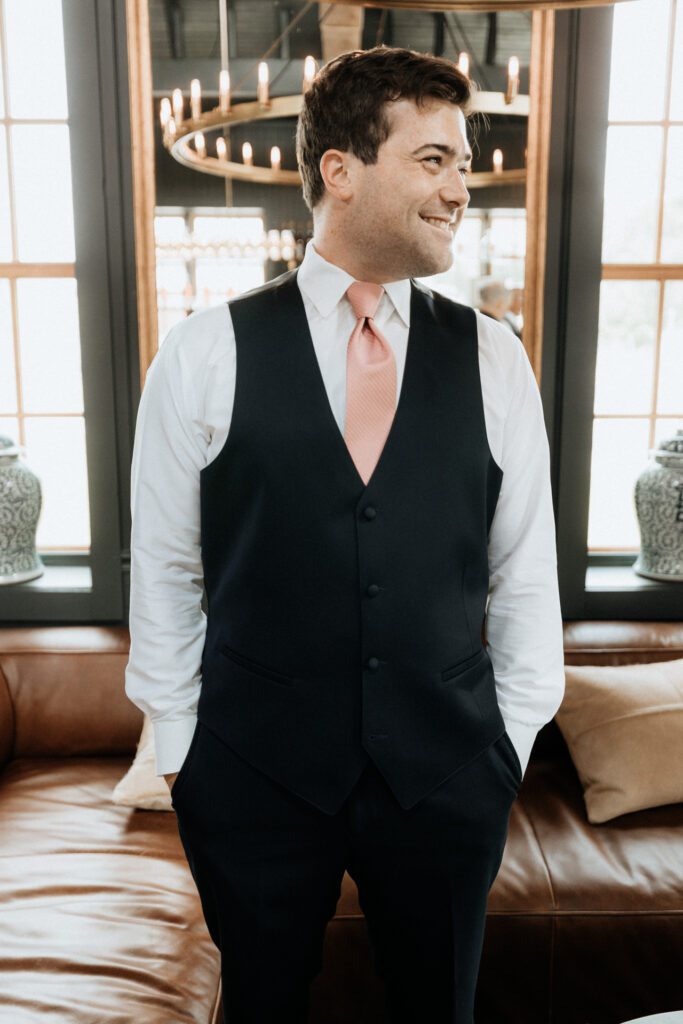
(439, 222)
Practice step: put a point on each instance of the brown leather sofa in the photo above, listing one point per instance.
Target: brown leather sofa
(101, 921)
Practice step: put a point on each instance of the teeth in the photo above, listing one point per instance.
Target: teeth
(435, 222)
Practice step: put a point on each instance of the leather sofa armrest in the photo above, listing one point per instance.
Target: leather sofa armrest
(6, 721)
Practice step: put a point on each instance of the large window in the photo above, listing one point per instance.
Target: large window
(639, 372)
(65, 302)
(41, 392)
(612, 360)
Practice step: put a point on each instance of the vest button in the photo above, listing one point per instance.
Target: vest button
(373, 590)
(369, 512)
(373, 664)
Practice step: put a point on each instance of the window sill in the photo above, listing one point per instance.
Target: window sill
(63, 578)
(64, 593)
(617, 592)
(622, 577)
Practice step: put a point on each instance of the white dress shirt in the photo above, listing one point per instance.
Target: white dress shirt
(182, 424)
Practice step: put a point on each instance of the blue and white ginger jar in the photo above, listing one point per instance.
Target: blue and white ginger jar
(659, 506)
(20, 501)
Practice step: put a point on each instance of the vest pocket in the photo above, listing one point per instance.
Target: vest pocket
(255, 666)
(463, 665)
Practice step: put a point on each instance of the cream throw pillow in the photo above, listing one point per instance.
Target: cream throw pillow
(623, 726)
(140, 786)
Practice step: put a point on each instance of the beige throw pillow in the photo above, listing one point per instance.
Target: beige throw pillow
(140, 786)
(623, 726)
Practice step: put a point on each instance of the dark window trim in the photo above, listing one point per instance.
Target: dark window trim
(591, 586)
(97, 87)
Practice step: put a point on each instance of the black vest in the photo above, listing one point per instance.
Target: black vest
(345, 620)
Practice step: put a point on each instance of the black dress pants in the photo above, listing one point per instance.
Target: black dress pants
(268, 867)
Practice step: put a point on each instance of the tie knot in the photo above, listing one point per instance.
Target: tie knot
(364, 298)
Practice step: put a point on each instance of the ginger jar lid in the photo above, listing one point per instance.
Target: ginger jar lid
(670, 451)
(8, 446)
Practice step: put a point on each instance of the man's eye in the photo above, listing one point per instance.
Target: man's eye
(465, 171)
(436, 159)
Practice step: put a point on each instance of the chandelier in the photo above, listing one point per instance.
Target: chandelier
(185, 137)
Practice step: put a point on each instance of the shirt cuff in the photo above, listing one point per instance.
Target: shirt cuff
(171, 742)
(522, 737)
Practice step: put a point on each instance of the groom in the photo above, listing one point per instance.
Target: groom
(356, 469)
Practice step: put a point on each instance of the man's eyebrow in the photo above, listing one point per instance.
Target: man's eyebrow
(446, 150)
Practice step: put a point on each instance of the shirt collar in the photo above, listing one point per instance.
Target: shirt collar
(325, 284)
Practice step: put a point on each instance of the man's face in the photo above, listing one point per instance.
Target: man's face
(407, 207)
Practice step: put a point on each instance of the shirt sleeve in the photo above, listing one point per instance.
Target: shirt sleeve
(524, 619)
(166, 620)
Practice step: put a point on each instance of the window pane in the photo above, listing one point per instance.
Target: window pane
(639, 43)
(35, 58)
(672, 226)
(172, 276)
(229, 230)
(676, 110)
(670, 392)
(9, 427)
(42, 181)
(8, 384)
(507, 236)
(627, 332)
(632, 175)
(49, 345)
(56, 454)
(5, 223)
(218, 280)
(619, 454)
(666, 429)
(169, 229)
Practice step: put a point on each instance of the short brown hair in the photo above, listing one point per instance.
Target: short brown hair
(345, 106)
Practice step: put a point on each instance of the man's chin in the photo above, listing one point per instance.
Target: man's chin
(434, 263)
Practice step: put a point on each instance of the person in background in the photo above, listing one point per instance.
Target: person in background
(494, 299)
(355, 471)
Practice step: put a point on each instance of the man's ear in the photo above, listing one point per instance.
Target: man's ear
(335, 170)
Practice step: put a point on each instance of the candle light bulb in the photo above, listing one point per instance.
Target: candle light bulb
(178, 105)
(275, 158)
(464, 63)
(170, 127)
(513, 79)
(221, 148)
(262, 91)
(200, 144)
(224, 90)
(498, 161)
(247, 154)
(309, 73)
(196, 98)
(164, 111)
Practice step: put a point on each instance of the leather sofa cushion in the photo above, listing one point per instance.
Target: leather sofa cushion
(624, 729)
(101, 919)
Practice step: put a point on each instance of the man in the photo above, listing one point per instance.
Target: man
(494, 299)
(353, 465)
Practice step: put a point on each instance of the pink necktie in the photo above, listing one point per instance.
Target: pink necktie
(370, 381)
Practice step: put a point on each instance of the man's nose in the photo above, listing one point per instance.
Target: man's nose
(454, 191)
